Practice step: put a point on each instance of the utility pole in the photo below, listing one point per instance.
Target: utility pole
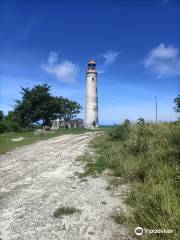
(156, 108)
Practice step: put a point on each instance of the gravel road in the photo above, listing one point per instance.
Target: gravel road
(37, 179)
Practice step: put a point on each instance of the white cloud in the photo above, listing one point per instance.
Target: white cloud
(53, 57)
(110, 56)
(163, 61)
(65, 71)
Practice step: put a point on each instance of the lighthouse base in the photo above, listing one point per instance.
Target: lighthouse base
(91, 125)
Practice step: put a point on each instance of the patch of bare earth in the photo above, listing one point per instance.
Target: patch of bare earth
(38, 179)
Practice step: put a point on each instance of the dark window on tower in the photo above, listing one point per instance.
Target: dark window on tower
(93, 79)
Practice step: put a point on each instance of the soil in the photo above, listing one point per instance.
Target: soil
(37, 179)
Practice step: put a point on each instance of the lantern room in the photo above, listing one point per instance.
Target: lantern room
(92, 65)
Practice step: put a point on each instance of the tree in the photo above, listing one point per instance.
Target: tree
(70, 109)
(141, 121)
(38, 105)
(126, 122)
(66, 109)
(177, 102)
(10, 116)
(1, 115)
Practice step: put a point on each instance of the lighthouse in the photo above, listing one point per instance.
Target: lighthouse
(91, 111)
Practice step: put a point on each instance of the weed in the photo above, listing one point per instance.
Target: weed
(120, 218)
(65, 211)
(119, 132)
(94, 165)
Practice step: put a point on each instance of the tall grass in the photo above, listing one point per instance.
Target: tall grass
(148, 157)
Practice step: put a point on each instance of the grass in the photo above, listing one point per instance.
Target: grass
(6, 143)
(92, 167)
(146, 156)
(61, 211)
(120, 218)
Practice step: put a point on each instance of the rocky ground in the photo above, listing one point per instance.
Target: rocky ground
(36, 180)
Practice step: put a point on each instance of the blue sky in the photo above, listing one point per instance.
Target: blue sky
(134, 43)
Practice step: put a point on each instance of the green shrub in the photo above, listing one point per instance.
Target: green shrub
(155, 206)
(32, 127)
(15, 127)
(1, 115)
(3, 127)
(148, 157)
(126, 122)
(7, 126)
(138, 140)
(119, 132)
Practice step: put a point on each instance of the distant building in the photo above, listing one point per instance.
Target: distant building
(60, 123)
(91, 111)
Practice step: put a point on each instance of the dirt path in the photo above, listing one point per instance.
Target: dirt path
(37, 179)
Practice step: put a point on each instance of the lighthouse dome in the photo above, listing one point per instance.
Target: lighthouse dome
(91, 61)
(91, 66)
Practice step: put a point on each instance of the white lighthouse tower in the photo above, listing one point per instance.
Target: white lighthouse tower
(91, 114)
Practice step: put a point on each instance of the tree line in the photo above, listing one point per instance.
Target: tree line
(37, 106)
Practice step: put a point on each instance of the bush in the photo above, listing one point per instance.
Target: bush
(147, 156)
(8, 126)
(138, 140)
(1, 115)
(3, 127)
(14, 126)
(32, 127)
(155, 207)
(119, 132)
(126, 122)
